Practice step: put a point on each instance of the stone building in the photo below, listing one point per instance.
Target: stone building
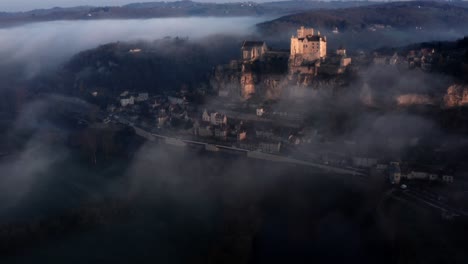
(214, 118)
(127, 101)
(308, 50)
(308, 45)
(142, 97)
(242, 135)
(253, 50)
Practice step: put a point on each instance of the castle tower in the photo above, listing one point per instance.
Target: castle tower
(302, 32)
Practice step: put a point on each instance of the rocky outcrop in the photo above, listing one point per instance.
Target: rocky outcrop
(245, 79)
(226, 80)
(273, 75)
(249, 83)
(266, 85)
(414, 99)
(457, 95)
(273, 86)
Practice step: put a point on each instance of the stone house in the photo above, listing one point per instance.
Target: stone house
(253, 50)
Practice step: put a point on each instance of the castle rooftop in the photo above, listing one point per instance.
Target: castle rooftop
(250, 44)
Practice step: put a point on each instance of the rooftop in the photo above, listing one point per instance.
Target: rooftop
(250, 44)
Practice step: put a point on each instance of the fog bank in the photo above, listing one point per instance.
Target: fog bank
(42, 46)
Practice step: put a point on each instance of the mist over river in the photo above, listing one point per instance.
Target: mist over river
(39, 47)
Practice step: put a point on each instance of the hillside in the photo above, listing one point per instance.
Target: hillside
(389, 24)
(451, 57)
(170, 9)
(160, 66)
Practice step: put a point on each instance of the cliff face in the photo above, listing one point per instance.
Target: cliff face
(269, 79)
(274, 73)
(226, 80)
(457, 95)
(273, 86)
(265, 85)
(245, 79)
(249, 83)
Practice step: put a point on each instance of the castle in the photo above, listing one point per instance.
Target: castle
(307, 45)
(262, 70)
(308, 50)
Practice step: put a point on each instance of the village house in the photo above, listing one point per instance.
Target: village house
(260, 111)
(218, 119)
(135, 50)
(205, 116)
(142, 97)
(294, 139)
(214, 118)
(242, 135)
(127, 101)
(345, 62)
(419, 175)
(341, 52)
(175, 100)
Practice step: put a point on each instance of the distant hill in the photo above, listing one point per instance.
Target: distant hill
(171, 9)
(372, 26)
(400, 15)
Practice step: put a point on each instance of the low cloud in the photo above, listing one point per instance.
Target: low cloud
(39, 47)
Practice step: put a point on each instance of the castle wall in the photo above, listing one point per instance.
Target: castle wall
(295, 47)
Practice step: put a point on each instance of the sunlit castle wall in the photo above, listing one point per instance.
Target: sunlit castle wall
(308, 45)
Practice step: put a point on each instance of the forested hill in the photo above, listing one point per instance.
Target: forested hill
(400, 15)
(163, 65)
(375, 26)
(171, 9)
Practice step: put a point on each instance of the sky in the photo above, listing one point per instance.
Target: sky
(24, 5)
